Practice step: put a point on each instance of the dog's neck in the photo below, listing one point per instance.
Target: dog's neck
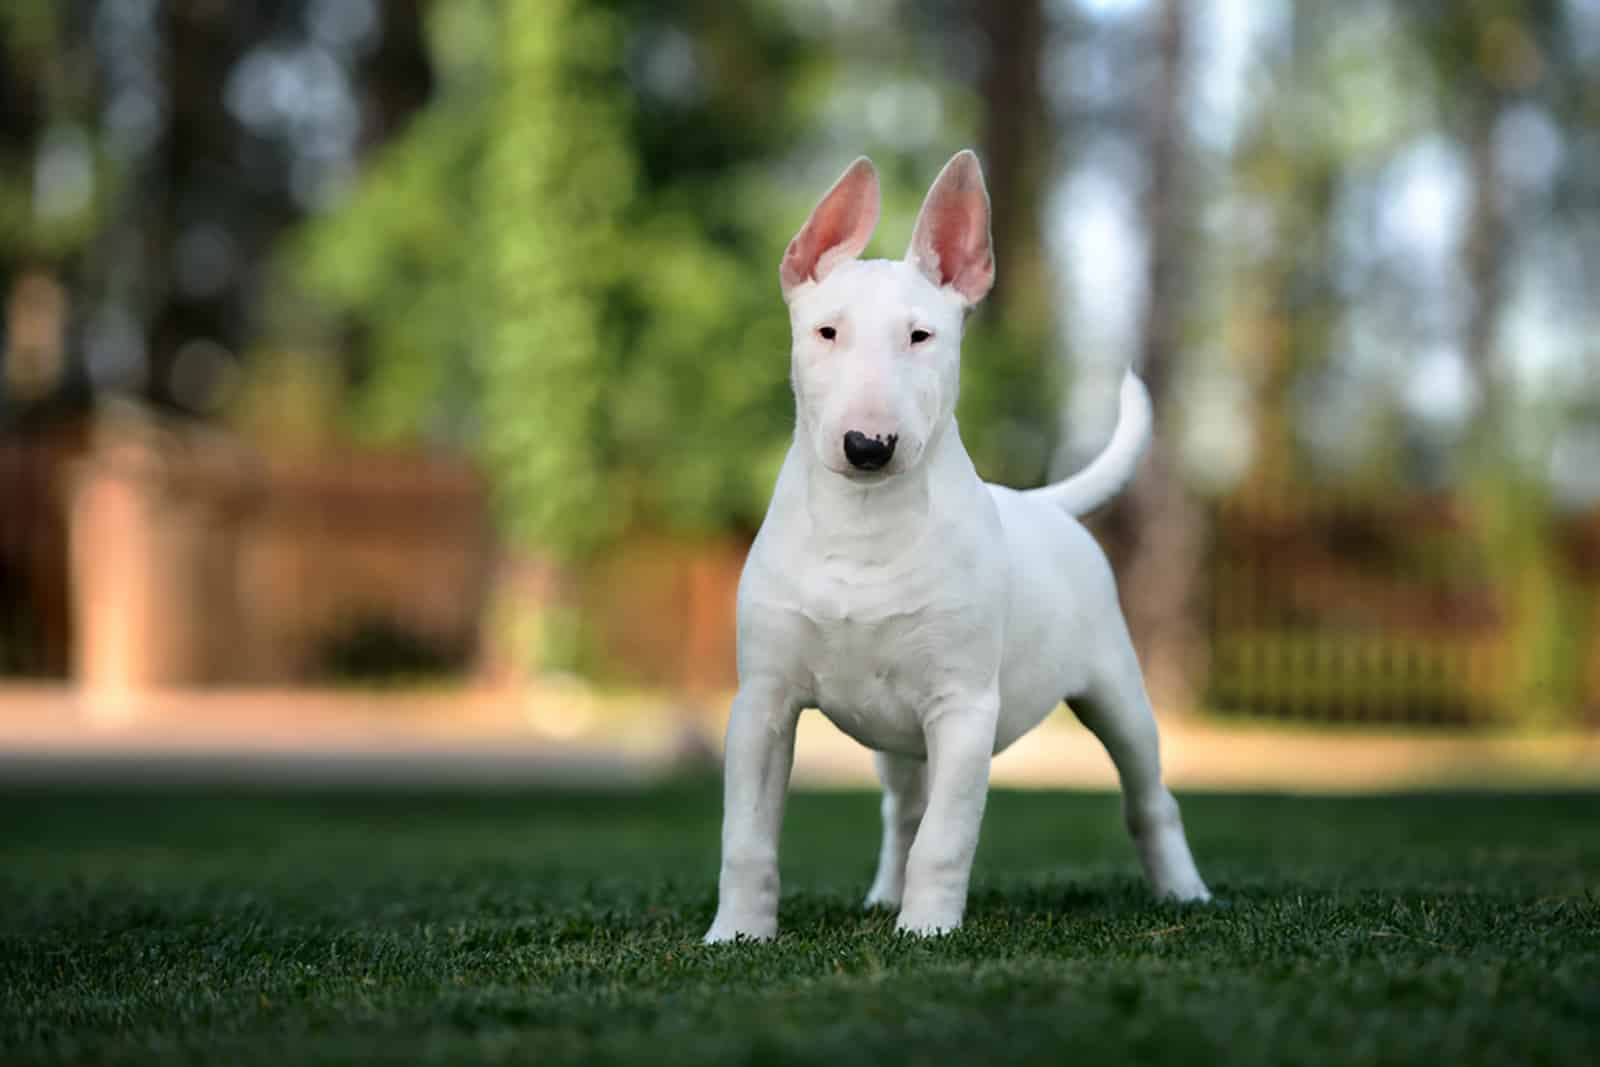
(872, 521)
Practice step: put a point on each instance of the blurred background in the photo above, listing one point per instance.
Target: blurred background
(411, 376)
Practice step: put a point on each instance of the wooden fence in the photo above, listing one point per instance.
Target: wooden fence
(145, 554)
(36, 621)
(1350, 606)
(138, 552)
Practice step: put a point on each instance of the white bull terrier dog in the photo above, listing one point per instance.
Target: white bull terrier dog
(930, 616)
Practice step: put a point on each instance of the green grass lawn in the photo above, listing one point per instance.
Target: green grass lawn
(290, 928)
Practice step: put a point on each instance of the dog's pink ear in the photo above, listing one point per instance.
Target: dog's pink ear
(838, 229)
(951, 243)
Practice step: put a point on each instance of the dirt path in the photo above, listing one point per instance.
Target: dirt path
(563, 733)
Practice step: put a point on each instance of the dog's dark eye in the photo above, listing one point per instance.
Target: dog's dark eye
(827, 333)
(919, 336)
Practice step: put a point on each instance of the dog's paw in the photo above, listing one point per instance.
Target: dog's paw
(725, 930)
(1185, 891)
(1170, 868)
(927, 924)
(882, 897)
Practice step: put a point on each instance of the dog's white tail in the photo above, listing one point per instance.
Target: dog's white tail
(1109, 472)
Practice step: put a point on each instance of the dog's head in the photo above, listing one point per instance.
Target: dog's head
(877, 343)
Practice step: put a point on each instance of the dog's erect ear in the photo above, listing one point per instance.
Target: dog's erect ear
(951, 243)
(838, 229)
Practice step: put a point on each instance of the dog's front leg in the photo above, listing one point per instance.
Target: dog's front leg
(960, 737)
(757, 759)
(905, 796)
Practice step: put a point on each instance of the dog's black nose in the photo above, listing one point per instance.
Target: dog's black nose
(868, 453)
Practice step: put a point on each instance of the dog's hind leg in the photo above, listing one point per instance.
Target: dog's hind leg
(1117, 710)
(905, 798)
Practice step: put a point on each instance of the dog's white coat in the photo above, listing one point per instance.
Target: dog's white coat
(932, 617)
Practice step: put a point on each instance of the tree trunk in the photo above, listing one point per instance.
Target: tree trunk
(1164, 522)
(396, 80)
(1485, 254)
(1016, 155)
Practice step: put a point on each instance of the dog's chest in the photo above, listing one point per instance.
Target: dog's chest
(880, 646)
(868, 688)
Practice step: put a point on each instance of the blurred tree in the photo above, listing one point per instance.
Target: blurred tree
(51, 191)
(635, 170)
(200, 218)
(1167, 527)
(1012, 382)
(1345, 95)
(1383, 160)
(154, 152)
(555, 189)
(1488, 58)
(590, 219)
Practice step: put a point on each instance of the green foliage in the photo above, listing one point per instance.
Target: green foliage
(1549, 623)
(556, 180)
(534, 927)
(47, 64)
(404, 258)
(569, 260)
(1011, 394)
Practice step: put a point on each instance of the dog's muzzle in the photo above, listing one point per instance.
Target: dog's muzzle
(868, 453)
